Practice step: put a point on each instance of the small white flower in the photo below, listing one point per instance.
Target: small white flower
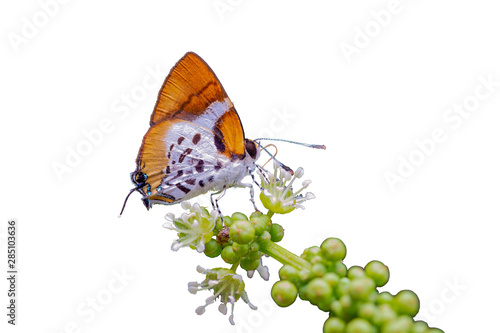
(278, 195)
(194, 228)
(224, 283)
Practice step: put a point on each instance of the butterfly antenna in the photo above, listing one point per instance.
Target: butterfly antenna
(274, 158)
(125, 202)
(275, 153)
(295, 143)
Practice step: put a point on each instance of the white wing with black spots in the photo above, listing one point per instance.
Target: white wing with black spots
(195, 166)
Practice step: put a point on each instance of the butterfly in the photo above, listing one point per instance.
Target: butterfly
(195, 143)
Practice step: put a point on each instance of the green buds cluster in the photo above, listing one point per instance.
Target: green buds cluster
(350, 296)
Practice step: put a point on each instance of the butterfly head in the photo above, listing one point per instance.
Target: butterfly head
(251, 149)
(139, 178)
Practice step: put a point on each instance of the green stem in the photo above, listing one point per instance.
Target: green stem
(284, 256)
(235, 266)
(270, 214)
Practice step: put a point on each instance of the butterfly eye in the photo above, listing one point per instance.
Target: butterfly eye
(251, 148)
(140, 177)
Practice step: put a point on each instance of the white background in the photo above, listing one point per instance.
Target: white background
(438, 228)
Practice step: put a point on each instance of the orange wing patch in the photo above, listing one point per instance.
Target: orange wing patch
(190, 87)
(152, 158)
(230, 128)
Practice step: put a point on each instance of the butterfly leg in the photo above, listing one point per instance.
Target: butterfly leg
(215, 203)
(252, 194)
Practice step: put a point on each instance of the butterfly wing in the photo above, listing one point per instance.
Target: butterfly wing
(195, 131)
(179, 160)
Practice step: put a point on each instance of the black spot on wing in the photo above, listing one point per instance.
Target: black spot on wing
(184, 154)
(202, 183)
(218, 140)
(191, 181)
(180, 139)
(218, 166)
(196, 138)
(182, 188)
(199, 167)
(211, 179)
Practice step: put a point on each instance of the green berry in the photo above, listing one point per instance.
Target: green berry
(240, 249)
(342, 287)
(385, 298)
(227, 222)
(332, 279)
(265, 237)
(254, 247)
(359, 325)
(318, 290)
(277, 232)
(229, 256)
(384, 314)
(419, 327)
(212, 249)
(311, 252)
(334, 325)
(340, 269)
(406, 302)
(360, 288)
(290, 273)
(238, 217)
(333, 249)
(367, 310)
(254, 255)
(259, 225)
(284, 293)
(378, 272)
(318, 270)
(249, 264)
(434, 330)
(355, 272)
(241, 232)
(401, 324)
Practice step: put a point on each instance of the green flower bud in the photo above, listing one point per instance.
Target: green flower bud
(333, 249)
(318, 270)
(384, 314)
(342, 287)
(360, 288)
(378, 272)
(400, 324)
(332, 279)
(229, 256)
(434, 330)
(406, 302)
(355, 272)
(385, 298)
(241, 249)
(290, 273)
(284, 293)
(238, 217)
(212, 249)
(318, 290)
(419, 327)
(249, 264)
(340, 269)
(334, 325)
(265, 237)
(277, 232)
(254, 255)
(359, 325)
(367, 310)
(241, 232)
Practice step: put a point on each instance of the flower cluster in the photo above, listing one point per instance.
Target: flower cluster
(278, 195)
(194, 228)
(224, 283)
